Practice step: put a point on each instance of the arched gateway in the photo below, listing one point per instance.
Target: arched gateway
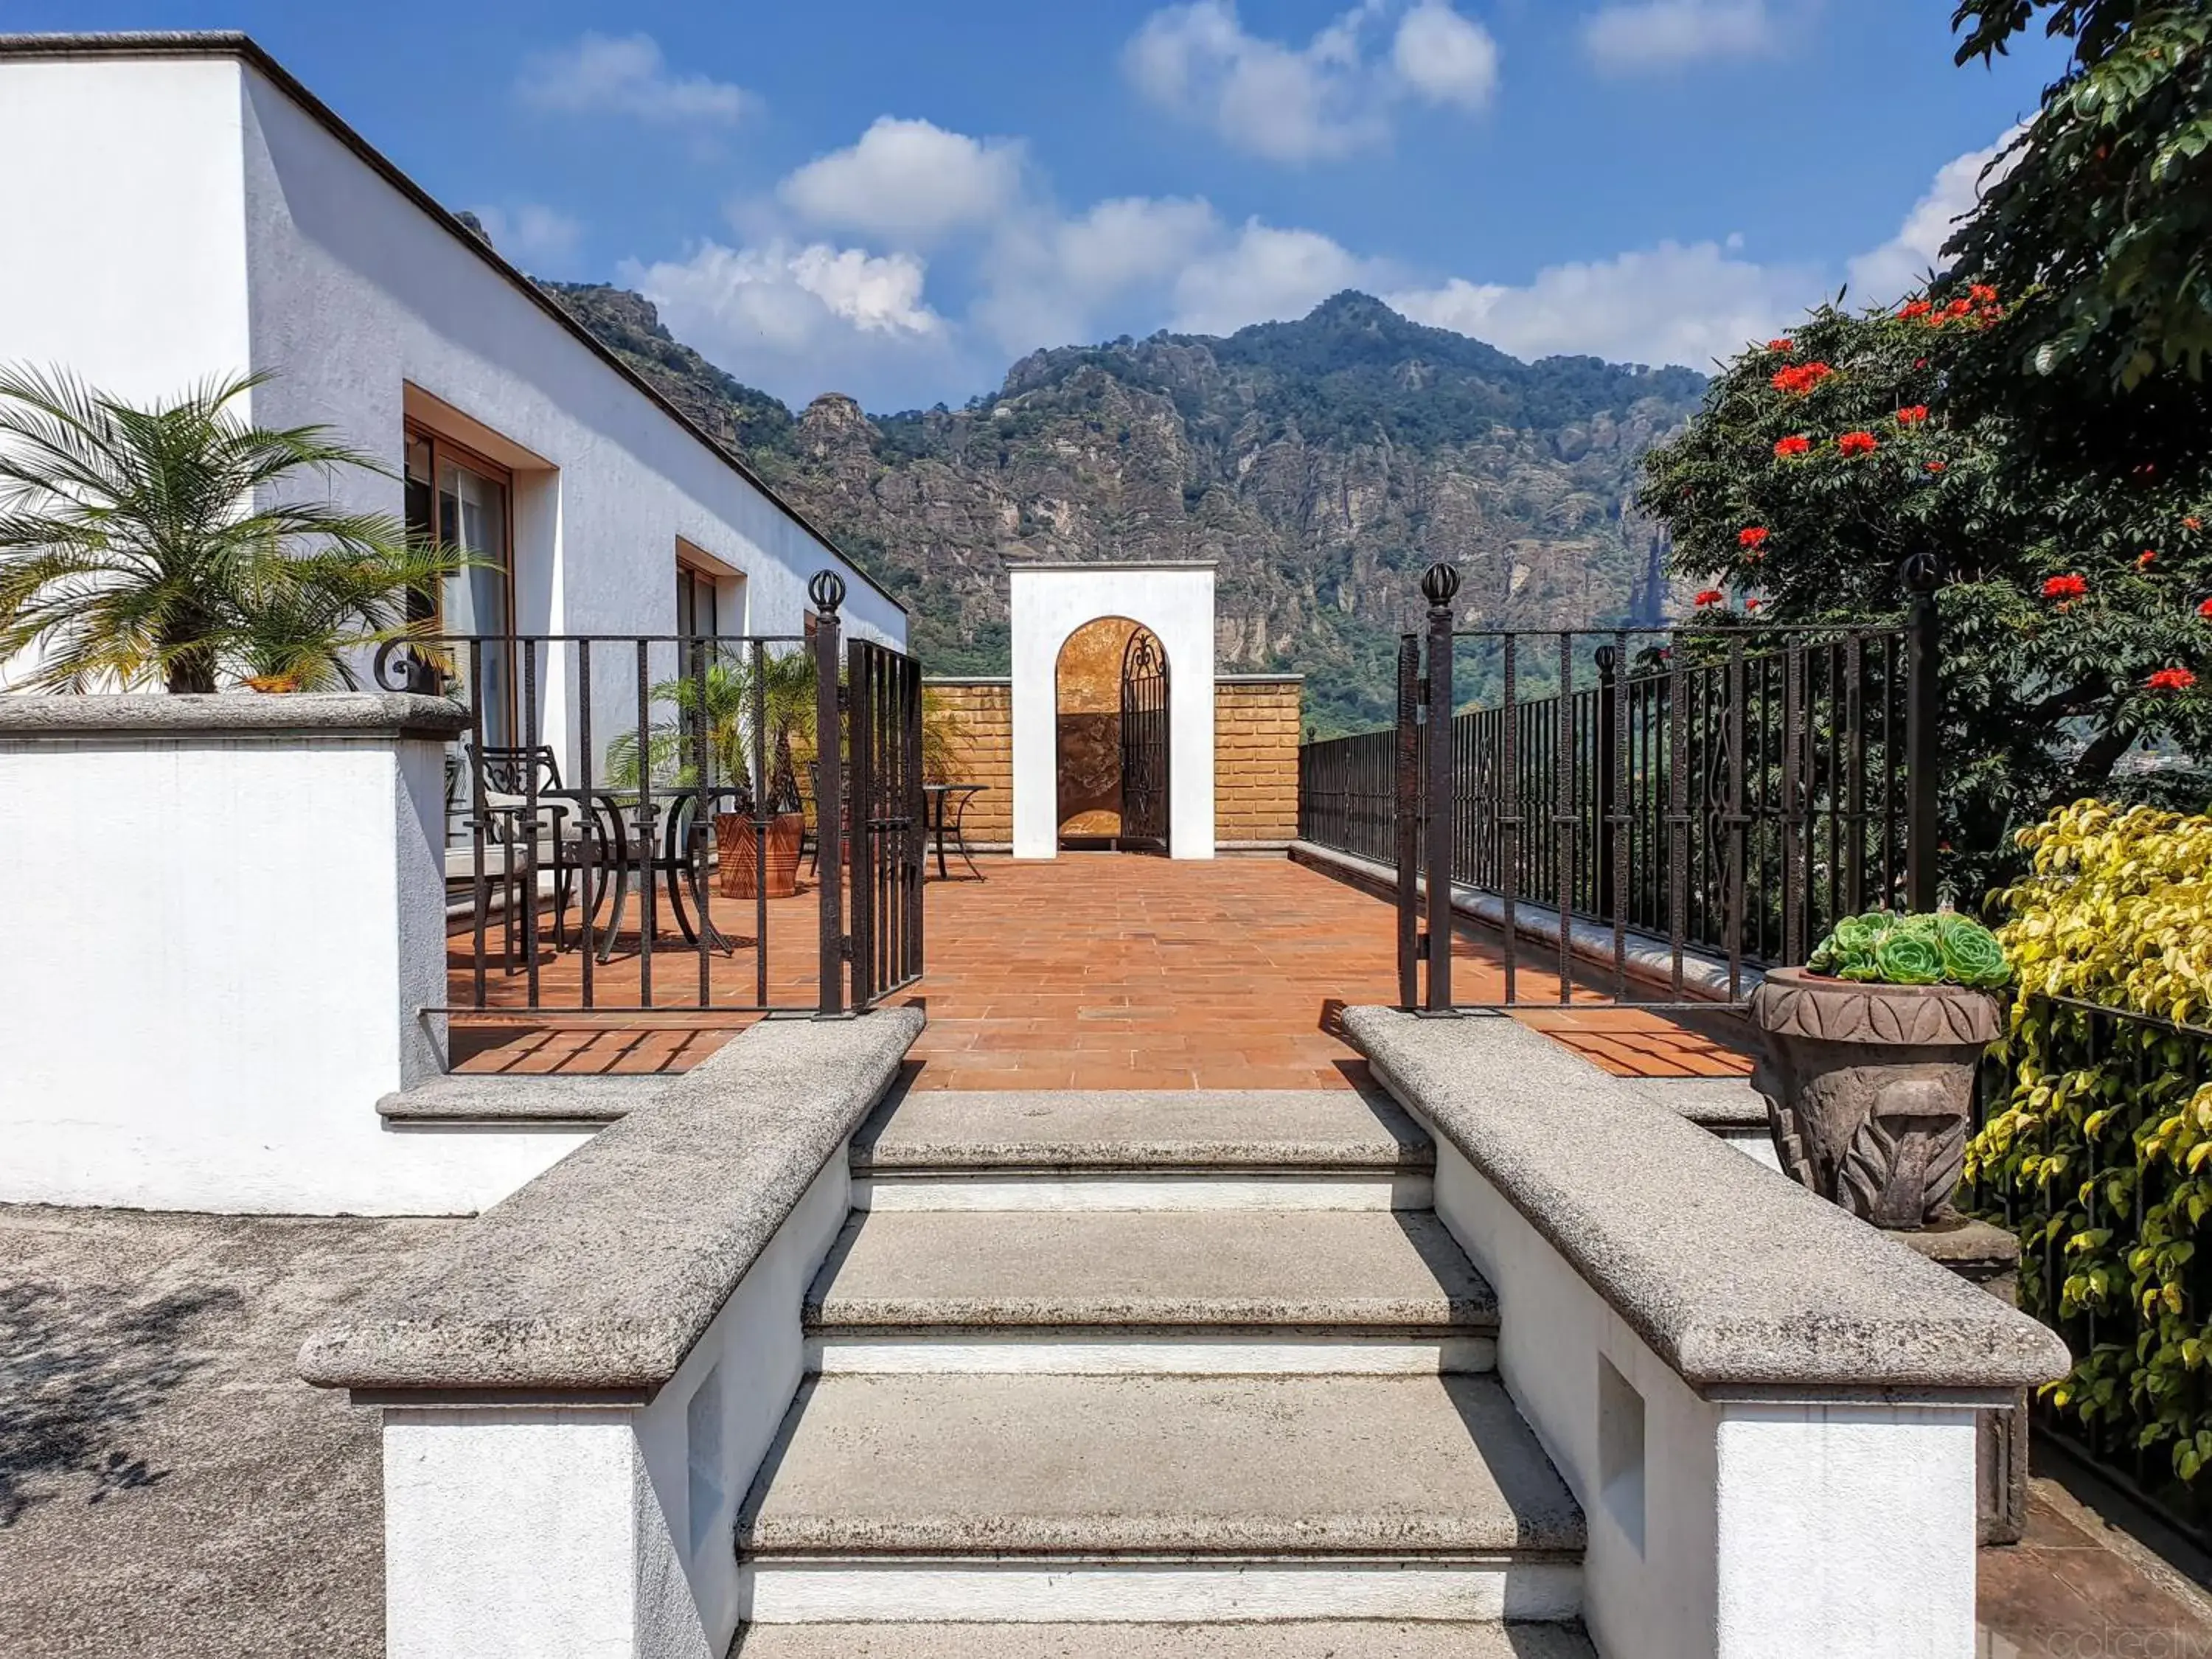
(1113, 707)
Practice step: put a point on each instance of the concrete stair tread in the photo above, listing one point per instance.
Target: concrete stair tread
(1320, 1129)
(1320, 1639)
(1312, 1467)
(1399, 1270)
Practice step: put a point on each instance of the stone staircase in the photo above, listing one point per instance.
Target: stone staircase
(1153, 1376)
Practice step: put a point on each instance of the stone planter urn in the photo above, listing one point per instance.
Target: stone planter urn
(1868, 1088)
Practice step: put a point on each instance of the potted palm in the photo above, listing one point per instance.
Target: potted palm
(169, 544)
(1871, 1051)
(717, 703)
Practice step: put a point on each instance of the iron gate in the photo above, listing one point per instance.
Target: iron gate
(887, 818)
(1144, 743)
(1647, 803)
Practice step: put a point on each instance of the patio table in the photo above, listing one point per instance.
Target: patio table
(940, 797)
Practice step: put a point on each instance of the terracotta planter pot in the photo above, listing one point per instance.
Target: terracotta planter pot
(1868, 1087)
(742, 873)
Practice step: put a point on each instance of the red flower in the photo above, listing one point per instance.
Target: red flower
(1801, 378)
(1957, 308)
(1920, 362)
(1782, 345)
(2204, 609)
(1795, 444)
(1855, 443)
(2065, 587)
(2146, 558)
(2191, 523)
(2171, 680)
(1981, 294)
(1915, 308)
(1935, 466)
(1912, 415)
(1711, 596)
(1753, 605)
(1751, 535)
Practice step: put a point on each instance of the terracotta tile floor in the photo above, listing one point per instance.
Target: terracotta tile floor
(1095, 971)
(2076, 1585)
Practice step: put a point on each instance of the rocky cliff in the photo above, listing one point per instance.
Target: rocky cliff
(1324, 463)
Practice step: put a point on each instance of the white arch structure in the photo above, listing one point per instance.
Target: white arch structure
(1049, 602)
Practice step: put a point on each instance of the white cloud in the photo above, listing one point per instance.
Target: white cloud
(530, 234)
(1901, 263)
(907, 179)
(1445, 57)
(1323, 99)
(1674, 303)
(1265, 274)
(1046, 280)
(603, 75)
(1664, 34)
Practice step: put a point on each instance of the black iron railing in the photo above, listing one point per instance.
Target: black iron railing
(2109, 1078)
(609, 783)
(1719, 791)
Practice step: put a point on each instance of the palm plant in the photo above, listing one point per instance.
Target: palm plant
(163, 544)
(721, 698)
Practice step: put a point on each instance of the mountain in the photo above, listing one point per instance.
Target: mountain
(1324, 463)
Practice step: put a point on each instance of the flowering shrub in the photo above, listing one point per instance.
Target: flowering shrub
(2065, 587)
(2045, 694)
(2102, 1152)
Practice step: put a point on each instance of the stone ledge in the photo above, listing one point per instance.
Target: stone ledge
(1733, 1275)
(601, 1274)
(509, 1098)
(1649, 959)
(228, 715)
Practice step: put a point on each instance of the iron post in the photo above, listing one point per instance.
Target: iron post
(1438, 586)
(827, 591)
(1924, 725)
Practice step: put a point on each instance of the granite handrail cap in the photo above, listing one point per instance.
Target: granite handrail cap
(601, 1274)
(226, 714)
(1732, 1273)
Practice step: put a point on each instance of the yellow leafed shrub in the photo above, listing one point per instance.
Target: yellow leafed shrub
(2100, 1159)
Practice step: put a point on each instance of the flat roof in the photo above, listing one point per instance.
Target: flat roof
(228, 43)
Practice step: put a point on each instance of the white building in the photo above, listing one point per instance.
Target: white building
(178, 207)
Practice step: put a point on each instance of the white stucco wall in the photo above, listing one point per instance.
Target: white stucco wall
(1718, 1529)
(187, 218)
(218, 949)
(513, 1531)
(1048, 604)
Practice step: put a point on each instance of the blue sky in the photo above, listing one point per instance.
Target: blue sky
(897, 200)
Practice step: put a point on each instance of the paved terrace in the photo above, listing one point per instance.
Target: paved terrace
(1091, 971)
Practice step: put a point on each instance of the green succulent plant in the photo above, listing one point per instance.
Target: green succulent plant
(1884, 948)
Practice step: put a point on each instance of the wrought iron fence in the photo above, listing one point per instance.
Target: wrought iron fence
(2133, 1071)
(622, 806)
(1722, 793)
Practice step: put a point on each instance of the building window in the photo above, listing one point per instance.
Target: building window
(698, 604)
(456, 497)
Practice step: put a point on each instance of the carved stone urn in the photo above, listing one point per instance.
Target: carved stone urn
(1868, 1088)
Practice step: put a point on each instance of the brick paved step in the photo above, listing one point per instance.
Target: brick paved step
(1330, 1640)
(1066, 1149)
(1157, 1499)
(1217, 1292)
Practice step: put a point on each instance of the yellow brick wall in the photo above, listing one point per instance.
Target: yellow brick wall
(1255, 759)
(977, 719)
(1256, 756)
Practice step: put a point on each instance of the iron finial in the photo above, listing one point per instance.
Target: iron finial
(827, 590)
(1439, 584)
(1921, 571)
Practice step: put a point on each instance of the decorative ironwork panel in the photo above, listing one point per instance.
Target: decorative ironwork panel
(1143, 744)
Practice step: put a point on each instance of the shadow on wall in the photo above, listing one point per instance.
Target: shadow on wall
(77, 1371)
